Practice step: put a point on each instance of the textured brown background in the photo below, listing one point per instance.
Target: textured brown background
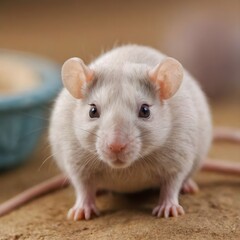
(61, 29)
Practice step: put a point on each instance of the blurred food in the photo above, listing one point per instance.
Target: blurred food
(16, 77)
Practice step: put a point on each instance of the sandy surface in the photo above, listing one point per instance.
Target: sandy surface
(214, 213)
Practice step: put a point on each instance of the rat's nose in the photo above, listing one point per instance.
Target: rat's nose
(117, 147)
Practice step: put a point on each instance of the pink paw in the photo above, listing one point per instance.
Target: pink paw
(167, 210)
(190, 187)
(79, 213)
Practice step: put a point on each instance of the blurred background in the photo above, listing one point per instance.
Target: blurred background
(203, 35)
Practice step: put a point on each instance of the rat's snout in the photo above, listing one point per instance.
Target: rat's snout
(117, 147)
(116, 152)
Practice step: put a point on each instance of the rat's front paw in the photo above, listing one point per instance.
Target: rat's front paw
(82, 212)
(168, 209)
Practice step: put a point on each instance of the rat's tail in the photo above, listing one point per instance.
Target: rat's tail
(226, 134)
(50, 185)
(223, 166)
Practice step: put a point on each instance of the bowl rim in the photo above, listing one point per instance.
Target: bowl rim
(49, 87)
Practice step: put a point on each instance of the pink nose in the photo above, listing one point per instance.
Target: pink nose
(117, 147)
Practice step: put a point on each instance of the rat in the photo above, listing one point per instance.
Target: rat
(133, 119)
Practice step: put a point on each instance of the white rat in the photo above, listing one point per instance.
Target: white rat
(131, 120)
(134, 119)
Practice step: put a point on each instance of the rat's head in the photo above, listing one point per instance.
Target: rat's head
(121, 113)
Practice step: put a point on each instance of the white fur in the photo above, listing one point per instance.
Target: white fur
(163, 150)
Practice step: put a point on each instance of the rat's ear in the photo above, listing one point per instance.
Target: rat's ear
(167, 76)
(75, 75)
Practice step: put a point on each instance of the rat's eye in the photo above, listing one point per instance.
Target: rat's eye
(93, 113)
(144, 111)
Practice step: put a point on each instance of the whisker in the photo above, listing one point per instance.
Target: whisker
(65, 180)
(33, 131)
(45, 160)
(88, 132)
(36, 117)
(143, 134)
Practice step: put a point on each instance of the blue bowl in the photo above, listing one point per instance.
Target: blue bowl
(23, 115)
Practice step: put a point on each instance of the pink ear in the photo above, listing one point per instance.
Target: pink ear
(75, 76)
(167, 76)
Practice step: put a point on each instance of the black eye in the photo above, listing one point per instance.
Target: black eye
(93, 113)
(144, 111)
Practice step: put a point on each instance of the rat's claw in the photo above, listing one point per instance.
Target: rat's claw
(81, 213)
(168, 209)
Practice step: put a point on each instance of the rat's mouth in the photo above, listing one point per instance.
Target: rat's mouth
(118, 163)
(119, 160)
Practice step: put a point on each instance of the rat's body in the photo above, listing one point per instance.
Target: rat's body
(171, 144)
(132, 120)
